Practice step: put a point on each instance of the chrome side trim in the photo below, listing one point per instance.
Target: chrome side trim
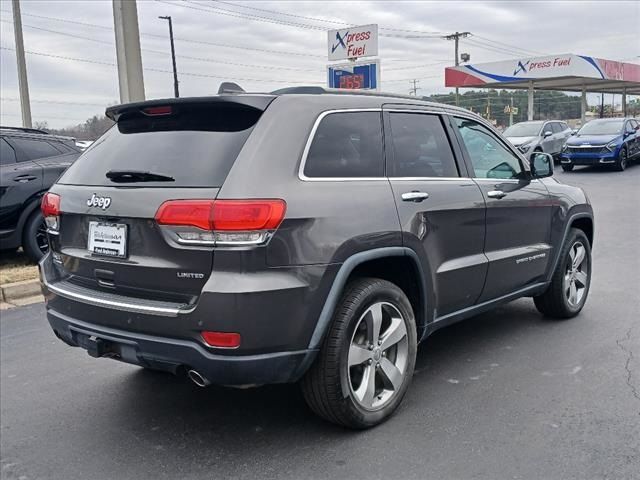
(118, 305)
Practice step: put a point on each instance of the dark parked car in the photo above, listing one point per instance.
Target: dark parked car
(303, 235)
(607, 141)
(30, 162)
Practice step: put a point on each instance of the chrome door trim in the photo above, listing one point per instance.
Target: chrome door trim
(312, 134)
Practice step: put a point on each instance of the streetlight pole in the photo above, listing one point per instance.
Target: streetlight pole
(173, 57)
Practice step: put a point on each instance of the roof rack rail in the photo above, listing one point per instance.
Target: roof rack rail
(315, 90)
(24, 129)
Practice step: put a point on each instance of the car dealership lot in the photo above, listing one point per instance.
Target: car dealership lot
(503, 395)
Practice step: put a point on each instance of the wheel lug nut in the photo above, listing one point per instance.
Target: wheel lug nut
(379, 342)
(370, 347)
(384, 354)
(370, 361)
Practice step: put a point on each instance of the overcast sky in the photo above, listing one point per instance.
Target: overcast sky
(284, 43)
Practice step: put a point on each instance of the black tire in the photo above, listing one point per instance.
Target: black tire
(567, 168)
(554, 302)
(34, 238)
(621, 162)
(327, 386)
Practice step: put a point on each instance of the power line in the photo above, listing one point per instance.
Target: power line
(511, 47)
(493, 48)
(259, 18)
(144, 34)
(188, 57)
(61, 102)
(104, 42)
(276, 12)
(45, 117)
(189, 74)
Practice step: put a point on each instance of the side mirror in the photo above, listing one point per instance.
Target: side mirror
(574, 132)
(547, 134)
(541, 165)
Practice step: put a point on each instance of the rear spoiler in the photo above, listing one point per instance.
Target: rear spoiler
(254, 101)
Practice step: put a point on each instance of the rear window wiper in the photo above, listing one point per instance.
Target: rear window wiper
(124, 176)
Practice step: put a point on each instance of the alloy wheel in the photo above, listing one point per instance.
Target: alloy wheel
(576, 277)
(623, 159)
(41, 238)
(378, 356)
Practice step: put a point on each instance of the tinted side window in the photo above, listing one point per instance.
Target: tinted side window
(347, 144)
(557, 128)
(630, 127)
(34, 149)
(420, 147)
(489, 156)
(7, 155)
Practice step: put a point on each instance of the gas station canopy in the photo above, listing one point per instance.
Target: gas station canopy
(568, 72)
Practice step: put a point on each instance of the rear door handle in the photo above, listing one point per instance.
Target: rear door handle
(496, 194)
(24, 178)
(414, 196)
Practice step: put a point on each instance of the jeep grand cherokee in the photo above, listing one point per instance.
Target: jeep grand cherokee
(304, 235)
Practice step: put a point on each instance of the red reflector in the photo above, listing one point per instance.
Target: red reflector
(50, 205)
(166, 110)
(221, 339)
(242, 215)
(194, 213)
(228, 215)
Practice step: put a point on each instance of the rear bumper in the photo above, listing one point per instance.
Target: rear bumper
(177, 355)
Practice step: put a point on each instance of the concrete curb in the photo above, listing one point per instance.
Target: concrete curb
(10, 292)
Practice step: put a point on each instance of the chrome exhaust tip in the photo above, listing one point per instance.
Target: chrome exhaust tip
(198, 378)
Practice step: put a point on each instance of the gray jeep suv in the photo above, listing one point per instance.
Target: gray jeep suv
(304, 235)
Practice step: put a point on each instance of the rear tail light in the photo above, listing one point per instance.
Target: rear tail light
(222, 222)
(50, 207)
(221, 339)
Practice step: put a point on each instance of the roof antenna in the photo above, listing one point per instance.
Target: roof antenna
(230, 87)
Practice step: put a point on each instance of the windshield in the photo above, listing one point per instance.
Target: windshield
(529, 129)
(598, 127)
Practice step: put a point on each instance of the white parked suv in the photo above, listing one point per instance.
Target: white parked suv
(539, 136)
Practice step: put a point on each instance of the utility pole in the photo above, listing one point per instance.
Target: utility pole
(131, 81)
(601, 105)
(415, 88)
(511, 112)
(23, 85)
(456, 38)
(173, 57)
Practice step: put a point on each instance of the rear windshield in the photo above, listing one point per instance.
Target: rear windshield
(192, 147)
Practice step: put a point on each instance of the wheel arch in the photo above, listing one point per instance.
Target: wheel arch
(581, 220)
(585, 224)
(399, 265)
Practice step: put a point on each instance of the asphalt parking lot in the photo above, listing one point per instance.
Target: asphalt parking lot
(505, 395)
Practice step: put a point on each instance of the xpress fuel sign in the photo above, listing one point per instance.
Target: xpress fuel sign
(354, 42)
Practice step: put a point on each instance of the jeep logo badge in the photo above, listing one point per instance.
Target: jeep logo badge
(96, 201)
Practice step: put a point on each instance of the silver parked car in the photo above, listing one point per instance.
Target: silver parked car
(539, 136)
